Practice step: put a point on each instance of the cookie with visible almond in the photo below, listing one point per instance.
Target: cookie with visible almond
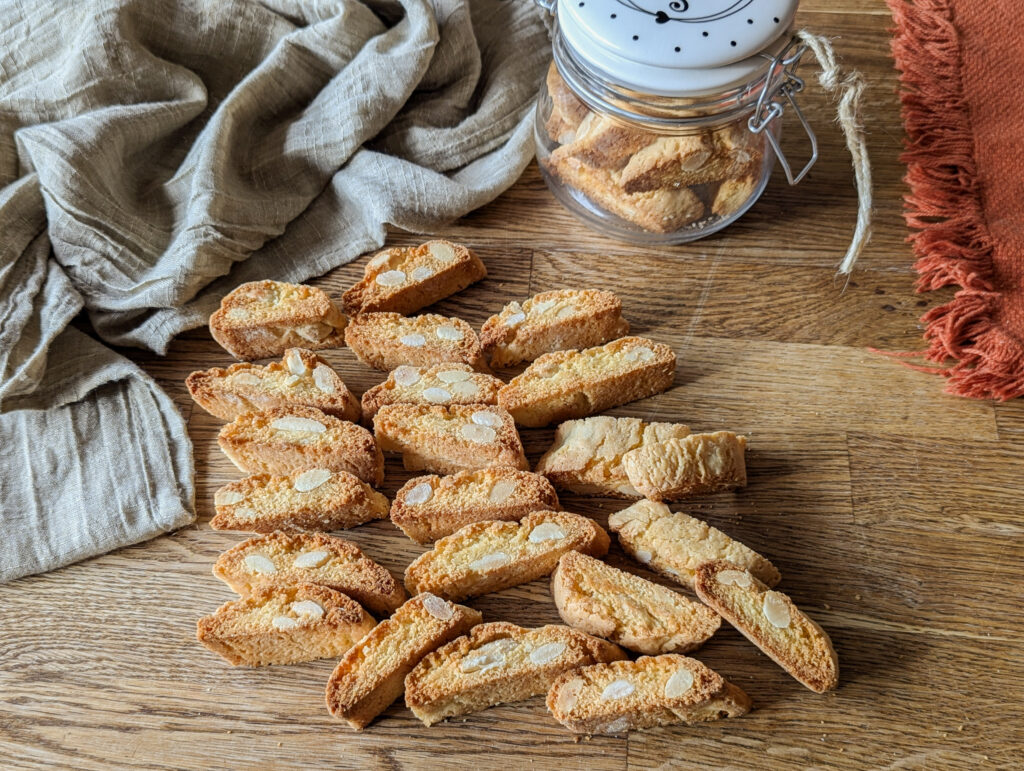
(623, 696)
(676, 544)
(586, 455)
(265, 318)
(372, 674)
(559, 320)
(404, 279)
(498, 663)
(692, 465)
(490, 556)
(389, 340)
(638, 614)
(441, 384)
(447, 440)
(285, 625)
(290, 559)
(574, 384)
(430, 507)
(300, 379)
(772, 621)
(288, 440)
(317, 499)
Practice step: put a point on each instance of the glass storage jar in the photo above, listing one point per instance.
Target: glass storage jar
(659, 122)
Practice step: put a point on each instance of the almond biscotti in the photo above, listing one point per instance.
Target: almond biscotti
(629, 610)
(300, 379)
(282, 559)
(676, 544)
(404, 279)
(490, 556)
(573, 384)
(264, 318)
(586, 455)
(389, 340)
(431, 507)
(447, 440)
(498, 663)
(317, 499)
(771, 621)
(372, 674)
(694, 465)
(652, 691)
(439, 384)
(285, 625)
(661, 210)
(558, 320)
(293, 439)
(567, 111)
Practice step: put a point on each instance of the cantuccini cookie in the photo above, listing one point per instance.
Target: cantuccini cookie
(597, 598)
(623, 696)
(300, 379)
(372, 674)
(498, 663)
(694, 465)
(404, 279)
(431, 507)
(771, 621)
(676, 544)
(567, 111)
(439, 384)
(389, 340)
(660, 210)
(447, 440)
(603, 142)
(283, 559)
(573, 384)
(264, 318)
(317, 499)
(285, 625)
(293, 439)
(732, 194)
(586, 455)
(558, 320)
(490, 556)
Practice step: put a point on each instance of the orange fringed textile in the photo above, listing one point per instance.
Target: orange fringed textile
(961, 64)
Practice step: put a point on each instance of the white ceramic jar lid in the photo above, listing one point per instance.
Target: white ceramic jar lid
(677, 47)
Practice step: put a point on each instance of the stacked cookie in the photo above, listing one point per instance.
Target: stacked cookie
(313, 465)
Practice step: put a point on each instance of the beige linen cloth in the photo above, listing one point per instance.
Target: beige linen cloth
(156, 153)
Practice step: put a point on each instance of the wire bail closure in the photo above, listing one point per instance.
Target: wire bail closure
(769, 108)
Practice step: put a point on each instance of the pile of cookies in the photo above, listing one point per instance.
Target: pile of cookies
(660, 182)
(313, 463)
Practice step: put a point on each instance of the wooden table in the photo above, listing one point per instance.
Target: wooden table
(892, 510)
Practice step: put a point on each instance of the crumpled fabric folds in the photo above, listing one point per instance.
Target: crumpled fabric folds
(154, 154)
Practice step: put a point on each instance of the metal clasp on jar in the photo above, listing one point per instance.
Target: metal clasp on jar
(769, 108)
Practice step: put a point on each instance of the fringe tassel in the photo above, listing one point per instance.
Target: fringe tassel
(950, 238)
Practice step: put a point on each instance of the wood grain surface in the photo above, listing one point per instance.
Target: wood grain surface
(892, 509)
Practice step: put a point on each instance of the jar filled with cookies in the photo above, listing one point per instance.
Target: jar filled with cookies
(659, 122)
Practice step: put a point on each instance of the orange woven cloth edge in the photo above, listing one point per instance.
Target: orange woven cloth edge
(960, 63)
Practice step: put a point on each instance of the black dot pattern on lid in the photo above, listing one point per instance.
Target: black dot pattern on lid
(705, 34)
(678, 49)
(775, 19)
(615, 16)
(750, 21)
(732, 42)
(636, 37)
